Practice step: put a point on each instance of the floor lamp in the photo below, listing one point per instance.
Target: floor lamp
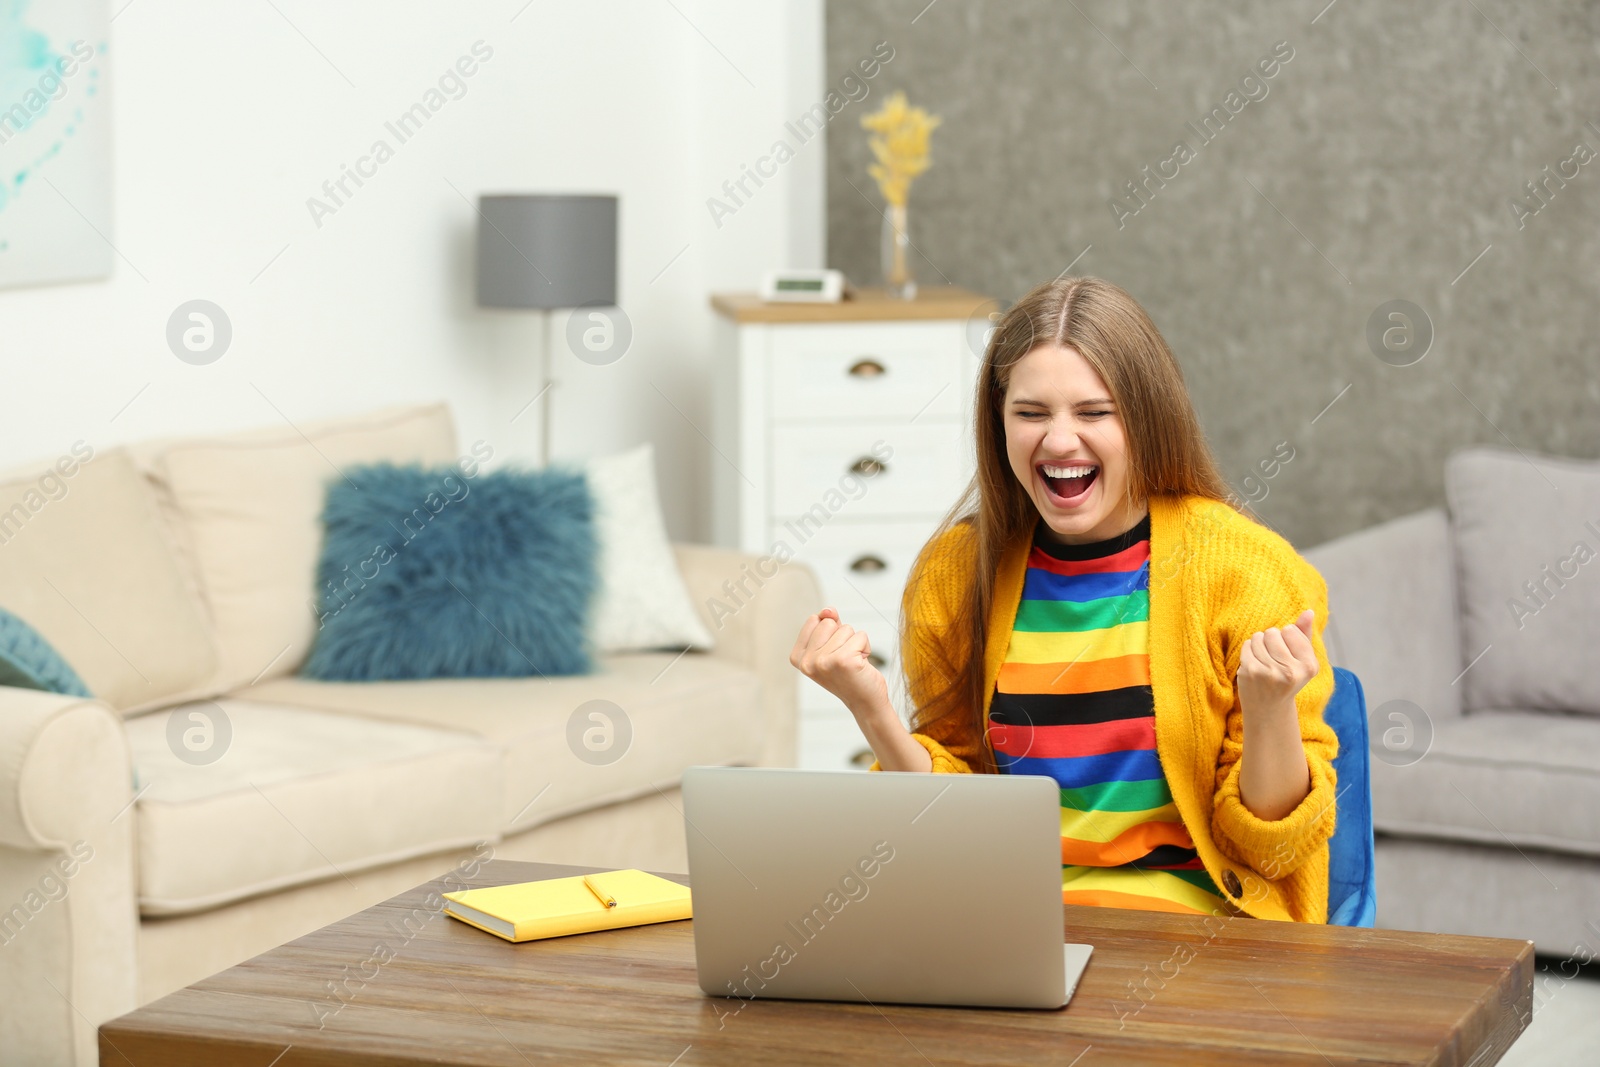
(540, 252)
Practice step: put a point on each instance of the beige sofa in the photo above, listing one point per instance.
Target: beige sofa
(209, 804)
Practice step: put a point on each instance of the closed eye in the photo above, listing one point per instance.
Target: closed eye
(1042, 414)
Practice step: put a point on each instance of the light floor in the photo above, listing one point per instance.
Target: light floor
(1565, 1031)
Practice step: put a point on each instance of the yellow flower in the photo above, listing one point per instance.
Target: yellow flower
(900, 147)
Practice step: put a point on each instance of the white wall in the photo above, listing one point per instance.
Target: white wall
(227, 119)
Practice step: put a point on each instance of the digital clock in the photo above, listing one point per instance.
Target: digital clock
(810, 286)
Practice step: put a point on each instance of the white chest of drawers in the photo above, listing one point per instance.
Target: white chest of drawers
(841, 433)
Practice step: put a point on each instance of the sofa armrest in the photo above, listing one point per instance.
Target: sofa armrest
(60, 757)
(754, 607)
(69, 920)
(1392, 610)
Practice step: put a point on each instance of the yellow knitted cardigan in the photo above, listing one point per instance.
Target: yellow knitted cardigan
(1216, 577)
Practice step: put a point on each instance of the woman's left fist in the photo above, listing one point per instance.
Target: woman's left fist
(1275, 664)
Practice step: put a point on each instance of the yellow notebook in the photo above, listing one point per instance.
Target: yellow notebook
(555, 907)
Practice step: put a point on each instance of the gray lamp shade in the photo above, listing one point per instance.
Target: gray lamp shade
(547, 251)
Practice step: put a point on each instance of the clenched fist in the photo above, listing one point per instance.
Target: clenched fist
(834, 655)
(1276, 663)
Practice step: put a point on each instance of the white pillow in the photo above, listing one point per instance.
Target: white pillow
(642, 603)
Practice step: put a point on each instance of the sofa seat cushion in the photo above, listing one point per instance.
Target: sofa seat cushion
(574, 742)
(1528, 779)
(291, 795)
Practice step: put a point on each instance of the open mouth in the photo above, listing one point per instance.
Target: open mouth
(1067, 486)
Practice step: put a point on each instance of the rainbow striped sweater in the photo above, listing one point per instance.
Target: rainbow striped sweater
(1073, 702)
(1216, 575)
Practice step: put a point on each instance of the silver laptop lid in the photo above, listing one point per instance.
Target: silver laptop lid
(895, 887)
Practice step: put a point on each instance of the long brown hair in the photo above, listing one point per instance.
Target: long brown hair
(1167, 454)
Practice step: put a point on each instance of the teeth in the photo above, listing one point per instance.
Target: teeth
(1067, 472)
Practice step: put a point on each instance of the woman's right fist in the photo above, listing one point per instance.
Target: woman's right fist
(835, 656)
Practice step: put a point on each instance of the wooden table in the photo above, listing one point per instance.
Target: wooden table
(401, 983)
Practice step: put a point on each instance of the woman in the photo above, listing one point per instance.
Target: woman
(1095, 608)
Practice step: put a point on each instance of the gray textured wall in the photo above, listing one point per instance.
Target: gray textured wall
(1380, 165)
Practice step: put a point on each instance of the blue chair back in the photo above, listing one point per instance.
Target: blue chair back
(1352, 876)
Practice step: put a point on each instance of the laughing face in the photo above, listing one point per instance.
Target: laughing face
(1066, 445)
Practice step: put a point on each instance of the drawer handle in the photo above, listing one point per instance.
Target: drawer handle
(867, 367)
(868, 466)
(876, 660)
(868, 564)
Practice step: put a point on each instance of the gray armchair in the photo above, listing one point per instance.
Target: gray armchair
(1484, 716)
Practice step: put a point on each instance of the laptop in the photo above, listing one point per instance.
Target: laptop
(887, 887)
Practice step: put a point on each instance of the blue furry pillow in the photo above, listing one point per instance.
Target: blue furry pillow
(435, 573)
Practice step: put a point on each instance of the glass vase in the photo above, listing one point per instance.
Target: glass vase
(896, 255)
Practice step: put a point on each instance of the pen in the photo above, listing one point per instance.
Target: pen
(605, 898)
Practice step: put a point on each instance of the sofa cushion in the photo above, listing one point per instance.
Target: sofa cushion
(575, 742)
(1526, 779)
(246, 509)
(237, 798)
(85, 560)
(1527, 539)
(1393, 615)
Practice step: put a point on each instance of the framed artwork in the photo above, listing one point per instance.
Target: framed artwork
(55, 142)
